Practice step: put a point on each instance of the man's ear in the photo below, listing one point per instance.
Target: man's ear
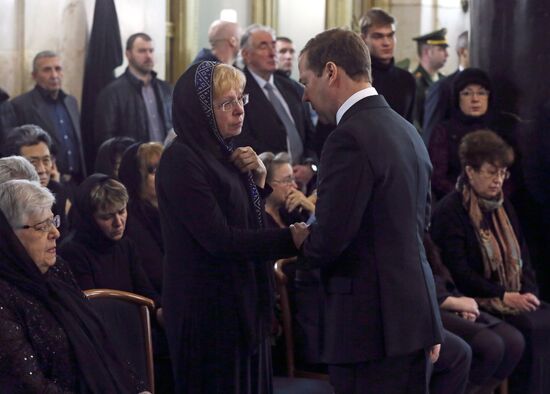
(331, 70)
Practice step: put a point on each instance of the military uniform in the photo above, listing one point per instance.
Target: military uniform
(423, 79)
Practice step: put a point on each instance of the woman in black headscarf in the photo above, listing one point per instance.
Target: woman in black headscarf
(109, 155)
(50, 339)
(471, 110)
(218, 287)
(137, 172)
(98, 253)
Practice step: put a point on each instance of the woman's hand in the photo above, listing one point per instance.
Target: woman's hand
(245, 159)
(524, 302)
(465, 306)
(295, 199)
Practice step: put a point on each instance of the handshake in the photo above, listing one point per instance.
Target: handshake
(299, 232)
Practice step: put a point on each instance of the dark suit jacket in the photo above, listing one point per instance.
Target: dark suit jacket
(262, 129)
(30, 108)
(371, 215)
(437, 105)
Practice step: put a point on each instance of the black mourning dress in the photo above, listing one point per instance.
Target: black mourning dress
(50, 339)
(218, 285)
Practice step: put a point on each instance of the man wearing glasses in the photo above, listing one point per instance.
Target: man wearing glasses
(275, 118)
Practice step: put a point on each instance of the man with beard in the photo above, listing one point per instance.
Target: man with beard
(137, 104)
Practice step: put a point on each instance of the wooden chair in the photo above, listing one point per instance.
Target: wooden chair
(127, 318)
(288, 336)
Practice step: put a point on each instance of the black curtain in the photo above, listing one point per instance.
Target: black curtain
(509, 40)
(103, 56)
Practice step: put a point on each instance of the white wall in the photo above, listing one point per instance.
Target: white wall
(300, 21)
(30, 26)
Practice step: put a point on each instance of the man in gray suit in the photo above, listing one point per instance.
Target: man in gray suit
(381, 318)
(49, 107)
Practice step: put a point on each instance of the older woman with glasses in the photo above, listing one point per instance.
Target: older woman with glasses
(50, 339)
(286, 204)
(481, 242)
(471, 110)
(218, 284)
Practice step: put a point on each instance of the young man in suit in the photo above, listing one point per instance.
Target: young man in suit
(381, 319)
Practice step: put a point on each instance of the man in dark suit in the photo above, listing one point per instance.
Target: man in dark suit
(275, 118)
(49, 107)
(381, 319)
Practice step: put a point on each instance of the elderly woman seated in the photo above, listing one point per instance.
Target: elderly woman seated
(481, 242)
(286, 204)
(50, 339)
(137, 172)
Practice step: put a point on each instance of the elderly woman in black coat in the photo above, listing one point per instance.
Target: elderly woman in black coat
(218, 285)
(50, 339)
(478, 233)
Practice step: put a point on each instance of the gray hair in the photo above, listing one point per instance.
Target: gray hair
(41, 55)
(222, 30)
(21, 199)
(26, 135)
(245, 38)
(17, 167)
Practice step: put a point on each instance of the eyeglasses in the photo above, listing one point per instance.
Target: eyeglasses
(231, 104)
(492, 174)
(46, 225)
(471, 93)
(288, 180)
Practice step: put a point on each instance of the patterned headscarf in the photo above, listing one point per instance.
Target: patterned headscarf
(204, 82)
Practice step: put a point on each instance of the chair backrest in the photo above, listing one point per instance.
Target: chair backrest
(127, 318)
(282, 282)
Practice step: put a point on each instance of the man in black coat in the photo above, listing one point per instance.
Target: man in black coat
(275, 118)
(396, 85)
(137, 104)
(49, 107)
(381, 318)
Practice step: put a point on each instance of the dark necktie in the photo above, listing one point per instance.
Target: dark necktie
(294, 142)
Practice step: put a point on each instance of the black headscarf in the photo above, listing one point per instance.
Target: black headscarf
(194, 112)
(100, 370)
(129, 174)
(86, 230)
(468, 77)
(107, 153)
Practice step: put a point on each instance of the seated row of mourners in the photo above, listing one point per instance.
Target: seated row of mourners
(485, 282)
(114, 238)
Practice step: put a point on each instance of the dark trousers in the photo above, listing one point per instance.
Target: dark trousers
(396, 375)
(450, 372)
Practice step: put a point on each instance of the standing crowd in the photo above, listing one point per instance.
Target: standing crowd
(412, 273)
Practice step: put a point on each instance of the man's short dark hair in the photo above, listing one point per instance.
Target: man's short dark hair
(26, 135)
(375, 17)
(344, 48)
(284, 39)
(135, 36)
